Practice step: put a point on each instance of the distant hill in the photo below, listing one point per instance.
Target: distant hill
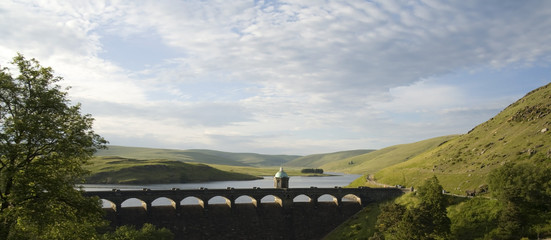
(317, 160)
(198, 156)
(520, 133)
(117, 170)
(374, 161)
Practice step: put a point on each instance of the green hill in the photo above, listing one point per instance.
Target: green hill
(197, 155)
(317, 160)
(376, 160)
(252, 159)
(117, 170)
(520, 133)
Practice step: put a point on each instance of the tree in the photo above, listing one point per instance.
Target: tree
(523, 190)
(433, 208)
(147, 232)
(44, 141)
(391, 214)
(427, 221)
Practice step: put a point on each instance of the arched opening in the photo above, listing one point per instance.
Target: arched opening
(271, 199)
(219, 200)
(245, 199)
(192, 201)
(163, 201)
(108, 204)
(302, 198)
(351, 198)
(134, 202)
(328, 198)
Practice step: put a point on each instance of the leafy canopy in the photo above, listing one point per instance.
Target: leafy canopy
(147, 232)
(524, 191)
(427, 221)
(44, 141)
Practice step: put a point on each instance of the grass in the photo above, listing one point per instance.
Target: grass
(376, 160)
(520, 133)
(263, 171)
(473, 218)
(470, 218)
(317, 160)
(359, 226)
(117, 170)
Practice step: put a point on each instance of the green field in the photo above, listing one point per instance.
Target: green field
(117, 170)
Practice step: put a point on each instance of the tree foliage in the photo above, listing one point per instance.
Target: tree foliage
(524, 192)
(433, 208)
(312, 170)
(429, 220)
(391, 214)
(473, 218)
(147, 232)
(44, 141)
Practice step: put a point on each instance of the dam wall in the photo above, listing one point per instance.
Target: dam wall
(284, 218)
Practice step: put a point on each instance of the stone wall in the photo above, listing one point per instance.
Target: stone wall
(282, 219)
(245, 221)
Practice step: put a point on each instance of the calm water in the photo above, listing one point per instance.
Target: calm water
(340, 180)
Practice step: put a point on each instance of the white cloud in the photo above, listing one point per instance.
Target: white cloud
(290, 74)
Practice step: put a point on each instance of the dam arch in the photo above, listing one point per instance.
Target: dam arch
(328, 198)
(351, 198)
(134, 202)
(302, 198)
(246, 199)
(164, 201)
(192, 200)
(106, 204)
(220, 200)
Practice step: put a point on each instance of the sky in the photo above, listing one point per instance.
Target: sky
(284, 77)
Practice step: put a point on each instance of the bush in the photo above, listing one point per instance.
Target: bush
(312, 170)
(147, 232)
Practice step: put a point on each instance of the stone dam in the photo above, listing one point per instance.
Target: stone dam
(282, 218)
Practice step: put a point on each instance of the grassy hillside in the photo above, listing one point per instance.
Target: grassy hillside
(376, 160)
(117, 170)
(520, 133)
(197, 155)
(317, 160)
(252, 159)
(263, 171)
(359, 226)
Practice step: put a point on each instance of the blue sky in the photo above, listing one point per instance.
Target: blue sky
(285, 77)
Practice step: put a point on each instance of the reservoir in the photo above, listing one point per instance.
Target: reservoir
(336, 180)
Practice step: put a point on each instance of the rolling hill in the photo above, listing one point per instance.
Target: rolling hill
(136, 165)
(117, 170)
(197, 155)
(317, 160)
(519, 133)
(374, 161)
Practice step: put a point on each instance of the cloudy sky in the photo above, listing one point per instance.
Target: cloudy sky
(285, 77)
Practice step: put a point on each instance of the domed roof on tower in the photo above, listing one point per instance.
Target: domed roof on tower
(281, 174)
